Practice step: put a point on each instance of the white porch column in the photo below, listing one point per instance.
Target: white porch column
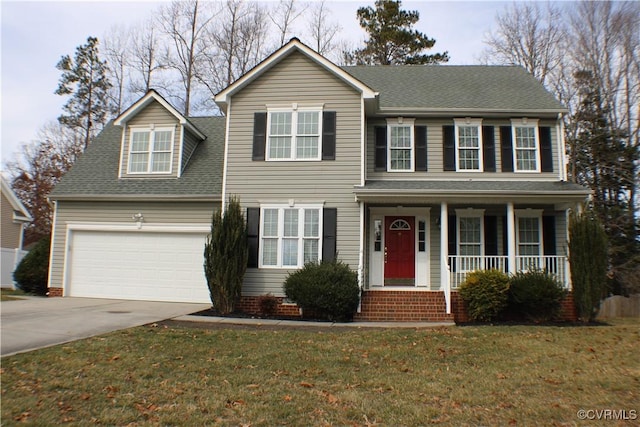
(511, 238)
(445, 283)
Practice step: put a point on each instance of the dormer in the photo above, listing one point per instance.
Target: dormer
(157, 140)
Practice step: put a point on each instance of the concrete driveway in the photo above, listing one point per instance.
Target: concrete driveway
(38, 322)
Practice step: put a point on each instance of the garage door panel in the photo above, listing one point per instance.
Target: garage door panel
(138, 265)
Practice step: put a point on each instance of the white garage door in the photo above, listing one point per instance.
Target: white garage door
(138, 266)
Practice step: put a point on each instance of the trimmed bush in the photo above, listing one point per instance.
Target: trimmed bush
(328, 289)
(33, 271)
(486, 294)
(588, 260)
(535, 295)
(268, 305)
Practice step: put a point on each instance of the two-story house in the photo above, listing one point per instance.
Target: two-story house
(413, 175)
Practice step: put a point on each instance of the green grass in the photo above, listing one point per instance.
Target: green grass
(473, 375)
(10, 294)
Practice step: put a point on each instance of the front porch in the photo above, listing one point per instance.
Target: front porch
(459, 266)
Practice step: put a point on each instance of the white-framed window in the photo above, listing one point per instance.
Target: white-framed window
(529, 232)
(468, 145)
(290, 236)
(470, 226)
(400, 155)
(151, 150)
(294, 133)
(526, 147)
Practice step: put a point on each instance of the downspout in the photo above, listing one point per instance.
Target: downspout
(53, 241)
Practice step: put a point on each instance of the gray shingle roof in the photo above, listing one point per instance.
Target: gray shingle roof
(472, 186)
(451, 87)
(95, 173)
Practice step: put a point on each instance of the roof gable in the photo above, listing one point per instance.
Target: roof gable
(147, 99)
(20, 212)
(294, 45)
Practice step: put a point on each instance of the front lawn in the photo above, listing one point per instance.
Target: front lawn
(472, 375)
(7, 294)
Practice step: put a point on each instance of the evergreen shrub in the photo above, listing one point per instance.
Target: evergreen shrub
(33, 271)
(535, 296)
(328, 289)
(485, 293)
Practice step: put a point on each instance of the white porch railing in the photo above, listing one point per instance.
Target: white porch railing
(460, 266)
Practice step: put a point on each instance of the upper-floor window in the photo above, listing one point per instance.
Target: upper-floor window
(290, 236)
(401, 145)
(150, 150)
(526, 153)
(468, 134)
(294, 133)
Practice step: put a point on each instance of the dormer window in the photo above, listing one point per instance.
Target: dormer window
(151, 150)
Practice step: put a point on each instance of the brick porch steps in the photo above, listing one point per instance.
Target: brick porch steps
(403, 306)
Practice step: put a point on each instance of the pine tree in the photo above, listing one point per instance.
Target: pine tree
(392, 40)
(225, 257)
(603, 160)
(84, 78)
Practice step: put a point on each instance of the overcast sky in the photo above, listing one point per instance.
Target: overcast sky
(35, 35)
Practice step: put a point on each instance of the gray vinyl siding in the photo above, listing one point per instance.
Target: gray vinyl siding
(297, 79)
(154, 114)
(189, 144)
(435, 154)
(10, 237)
(119, 213)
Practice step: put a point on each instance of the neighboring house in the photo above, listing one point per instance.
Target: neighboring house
(413, 175)
(14, 217)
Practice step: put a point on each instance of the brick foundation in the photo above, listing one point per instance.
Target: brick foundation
(54, 292)
(568, 311)
(252, 305)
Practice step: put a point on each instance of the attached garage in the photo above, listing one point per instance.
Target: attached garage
(150, 264)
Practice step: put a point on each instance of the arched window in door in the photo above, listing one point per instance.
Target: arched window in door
(400, 224)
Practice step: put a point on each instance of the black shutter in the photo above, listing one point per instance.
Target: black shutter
(259, 135)
(253, 236)
(381, 148)
(449, 146)
(489, 148)
(506, 148)
(329, 228)
(421, 148)
(452, 239)
(329, 135)
(491, 235)
(546, 155)
(549, 234)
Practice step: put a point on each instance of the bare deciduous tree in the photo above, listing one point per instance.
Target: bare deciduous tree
(322, 31)
(283, 17)
(116, 51)
(145, 58)
(185, 23)
(529, 36)
(39, 168)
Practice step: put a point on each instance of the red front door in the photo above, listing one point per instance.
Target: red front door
(399, 251)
